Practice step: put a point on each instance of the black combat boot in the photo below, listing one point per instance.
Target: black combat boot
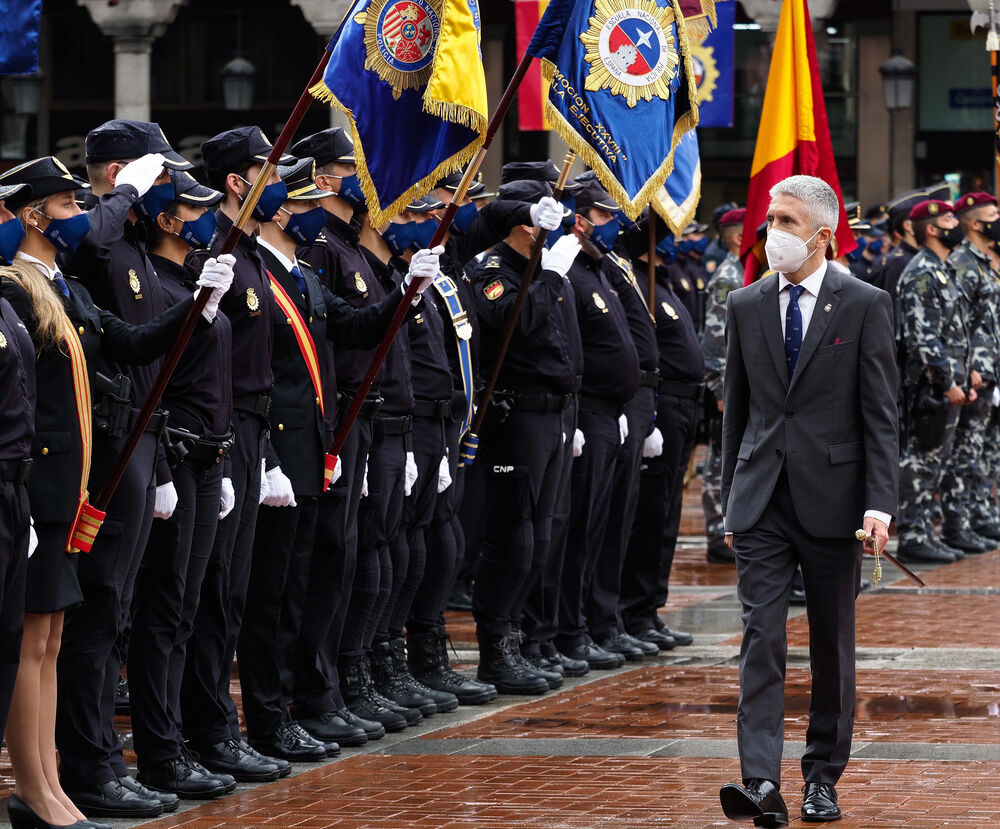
(501, 663)
(427, 656)
(360, 698)
(445, 701)
(390, 684)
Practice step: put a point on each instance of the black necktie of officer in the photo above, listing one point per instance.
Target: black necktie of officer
(300, 280)
(61, 285)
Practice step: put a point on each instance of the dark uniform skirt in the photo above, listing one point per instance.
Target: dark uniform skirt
(52, 584)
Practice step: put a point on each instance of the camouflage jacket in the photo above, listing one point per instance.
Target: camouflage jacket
(931, 325)
(980, 286)
(727, 276)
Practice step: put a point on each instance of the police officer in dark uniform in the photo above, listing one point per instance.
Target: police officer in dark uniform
(233, 160)
(688, 277)
(886, 271)
(113, 265)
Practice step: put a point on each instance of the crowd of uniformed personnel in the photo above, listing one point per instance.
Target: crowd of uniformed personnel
(235, 535)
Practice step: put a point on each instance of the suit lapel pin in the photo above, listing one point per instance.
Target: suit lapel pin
(828, 307)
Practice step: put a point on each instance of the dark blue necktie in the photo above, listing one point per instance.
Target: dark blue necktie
(793, 328)
(61, 285)
(300, 280)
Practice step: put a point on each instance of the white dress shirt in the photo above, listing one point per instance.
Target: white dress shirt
(38, 263)
(284, 260)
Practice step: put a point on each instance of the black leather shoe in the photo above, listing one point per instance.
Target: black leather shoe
(501, 664)
(988, 544)
(647, 648)
(757, 800)
(553, 677)
(331, 727)
(112, 799)
(719, 554)
(819, 803)
(991, 531)
(680, 637)
(22, 816)
(912, 552)
(595, 656)
(619, 644)
(543, 663)
(461, 597)
(373, 730)
(391, 685)
(182, 779)
(571, 667)
(290, 744)
(427, 658)
(229, 757)
(663, 641)
(169, 800)
(121, 697)
(284, 767)
(967, 542)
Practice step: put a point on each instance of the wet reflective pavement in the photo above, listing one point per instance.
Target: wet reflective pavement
(650, 744)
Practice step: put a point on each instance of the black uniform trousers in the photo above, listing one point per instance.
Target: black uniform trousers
(208, 713)
(282, 543)
(167, 593)
(315, 681)
(522, 462)
(380, 515)
(600, 602)
(767, 556)
(536, 608)
(89, 751)
(470, 516)
(661, 487)
(14, 534)
(591, 481)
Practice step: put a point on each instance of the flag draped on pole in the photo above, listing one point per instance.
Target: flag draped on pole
(534, 88)
(19, 36)
(677, 201)
(712, 55)
(409, 76)
(794, 135)
(622, 91)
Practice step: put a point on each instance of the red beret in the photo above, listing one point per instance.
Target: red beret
(930, 209)
(733, 217)
(971, 200)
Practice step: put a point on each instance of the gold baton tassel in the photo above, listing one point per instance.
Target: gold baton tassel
(862, 536)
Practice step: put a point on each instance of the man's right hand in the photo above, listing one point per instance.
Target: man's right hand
(955, 395)
(729, 540)
(719, 404)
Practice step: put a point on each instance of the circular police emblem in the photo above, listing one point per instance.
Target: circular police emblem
(360, 284)
(134, 284)
(253, 301)
(599, 301)
(400, 36)
(706, 73)
(631, 49)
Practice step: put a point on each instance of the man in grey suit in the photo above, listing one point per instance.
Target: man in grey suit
(810, 450)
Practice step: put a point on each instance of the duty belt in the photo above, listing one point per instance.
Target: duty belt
(157, 421)
(255, 404)
(370, 407)
(598, 405)
(649, 378)
(538, 401)
(392, 425)
(183, 445)
(676, 388)
(16, 472)
(440, 409)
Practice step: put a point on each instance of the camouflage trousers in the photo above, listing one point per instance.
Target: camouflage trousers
(711, 492)
(983, 508)
(963, 473)
(920, 474)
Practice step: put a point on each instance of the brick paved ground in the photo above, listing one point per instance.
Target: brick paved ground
(650, 744)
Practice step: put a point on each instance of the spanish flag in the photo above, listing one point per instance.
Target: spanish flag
(794, 135)
(534, 88)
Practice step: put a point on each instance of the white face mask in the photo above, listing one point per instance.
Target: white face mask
(785, 251)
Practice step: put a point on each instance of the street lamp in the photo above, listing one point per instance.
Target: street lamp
(237, 84)
(898, 74)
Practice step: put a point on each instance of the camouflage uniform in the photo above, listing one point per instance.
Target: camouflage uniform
(933, 333)
(886, 272)
(965, 478)
(728, 276)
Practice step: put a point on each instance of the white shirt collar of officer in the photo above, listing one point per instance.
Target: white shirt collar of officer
(287, 263)
(38, 263)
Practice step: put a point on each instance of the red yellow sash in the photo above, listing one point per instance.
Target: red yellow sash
(308, 349)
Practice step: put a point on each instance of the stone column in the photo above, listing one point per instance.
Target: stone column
(133, 26)
(325, 17)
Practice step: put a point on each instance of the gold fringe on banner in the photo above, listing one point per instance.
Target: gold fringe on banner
(679, 216)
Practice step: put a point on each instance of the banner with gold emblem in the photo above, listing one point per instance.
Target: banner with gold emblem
(712, 56)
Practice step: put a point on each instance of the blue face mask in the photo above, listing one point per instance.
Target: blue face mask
(11, 234)
(666, 249)
(876, 246)
(198, 234)
(464, 217)
(410, 235)
(701, 245)
(305, 227)
(604, 236)
(685, 246)
(65, 235)
(350, 190)
(156, 200)
(270, 201)
(855, 254)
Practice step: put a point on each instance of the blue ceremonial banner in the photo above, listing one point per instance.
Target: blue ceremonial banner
(712, 57)
(622, 90)
(409, 76)
(19, 36)
(677, 201)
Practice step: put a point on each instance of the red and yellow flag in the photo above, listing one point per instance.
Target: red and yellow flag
(794, 135)
(534, 89)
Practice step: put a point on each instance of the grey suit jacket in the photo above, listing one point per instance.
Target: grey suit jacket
(834, 423)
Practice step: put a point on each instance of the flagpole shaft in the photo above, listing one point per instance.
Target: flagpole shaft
(995, 75)
(191, 321)
(344, 429)
(652, 266)
(483, 404)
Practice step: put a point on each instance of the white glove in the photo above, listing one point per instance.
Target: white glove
(166, 500)
(32, 538)
(279, 489)
(216, 274)
(547, 214)
(622, 427)
(424, 266)
(652, 447)
(264, 488)
(444, 475)
(141, 173)
(409, 474)
(559, 258)
(338, 470)
(227, 498)
(578, 441)
(364, 481)
(996, 396)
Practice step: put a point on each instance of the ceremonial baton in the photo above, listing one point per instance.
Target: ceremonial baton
(652, 266)
(870, 541)
(470, 443)
(92, 515)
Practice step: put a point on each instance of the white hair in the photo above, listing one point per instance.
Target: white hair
(818, 198)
